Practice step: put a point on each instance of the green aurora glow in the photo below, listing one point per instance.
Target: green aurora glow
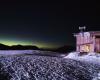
(11, 42)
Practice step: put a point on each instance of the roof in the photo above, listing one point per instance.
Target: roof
(91, 32)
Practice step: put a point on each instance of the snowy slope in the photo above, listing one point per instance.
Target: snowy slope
(90, 57)
(93, 58)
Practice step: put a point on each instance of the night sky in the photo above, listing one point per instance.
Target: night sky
(46, 24)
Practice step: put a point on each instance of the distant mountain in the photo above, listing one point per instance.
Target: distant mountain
(26, 47)
(3, 47)
(18, 47)
(65, 49)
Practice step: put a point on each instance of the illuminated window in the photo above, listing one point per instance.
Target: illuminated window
(85, 48)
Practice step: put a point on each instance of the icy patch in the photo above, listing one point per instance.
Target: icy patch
(90, 57)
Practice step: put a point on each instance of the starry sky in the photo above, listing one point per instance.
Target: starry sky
(46, 24)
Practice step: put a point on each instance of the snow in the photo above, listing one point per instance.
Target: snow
(12, 52)
(17, 52)
(31, 67)
(97, 77)
(36, 67)
(90, 57)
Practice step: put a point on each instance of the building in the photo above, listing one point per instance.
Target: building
(88, 41)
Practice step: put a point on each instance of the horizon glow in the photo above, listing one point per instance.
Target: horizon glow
(11, 42)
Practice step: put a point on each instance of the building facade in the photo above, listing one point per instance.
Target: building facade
(88, 41)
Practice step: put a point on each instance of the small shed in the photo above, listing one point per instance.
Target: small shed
(88, 41)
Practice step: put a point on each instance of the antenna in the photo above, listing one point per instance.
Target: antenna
(82, 28)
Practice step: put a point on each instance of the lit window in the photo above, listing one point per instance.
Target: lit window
(85, 48)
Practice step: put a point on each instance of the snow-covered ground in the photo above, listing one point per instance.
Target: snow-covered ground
(93, 58)
(37, 67)
(13, 52)
(90, 57)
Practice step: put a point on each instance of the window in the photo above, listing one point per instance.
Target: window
(85, 48)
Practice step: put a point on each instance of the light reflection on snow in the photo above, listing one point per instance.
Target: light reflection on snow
(32, 67)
